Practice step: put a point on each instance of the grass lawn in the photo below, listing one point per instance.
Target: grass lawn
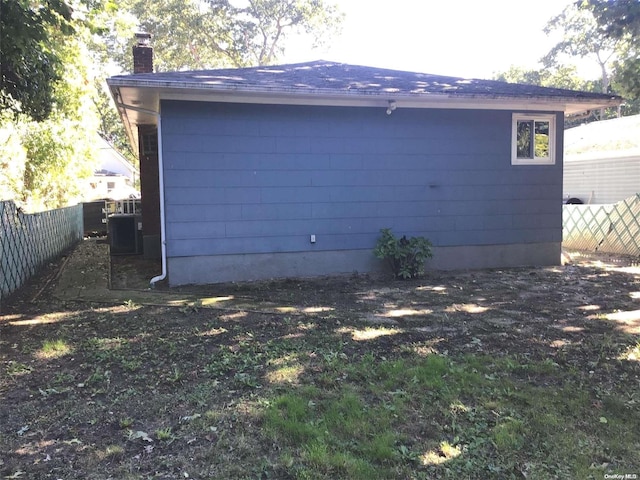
(523, 374)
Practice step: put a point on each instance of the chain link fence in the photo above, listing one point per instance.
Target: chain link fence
(28, 241)
(611, 228)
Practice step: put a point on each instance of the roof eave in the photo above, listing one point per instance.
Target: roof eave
(135, 96)
(132, 133)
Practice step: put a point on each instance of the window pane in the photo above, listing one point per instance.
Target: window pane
(524, 131)
(542, 139)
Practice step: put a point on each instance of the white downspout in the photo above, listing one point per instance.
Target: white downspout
(163, 243)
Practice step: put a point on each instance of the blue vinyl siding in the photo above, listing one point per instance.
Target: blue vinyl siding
(243, 178)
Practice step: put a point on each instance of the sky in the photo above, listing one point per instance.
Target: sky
(463, 38)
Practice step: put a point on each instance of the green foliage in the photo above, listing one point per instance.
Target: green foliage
(164, 434)
(111, 127)
(58, 154)
(405, 256)
(618, 18)
(126, 423)
(606, 32)
(559, 76)
(627, 79)
(55, 55)
(46, 153)
(191, 35)
(620, 22)
(29, 59)
(42, 161)
(55, 348)
(13, 158)
(581, 38)
(565, 76)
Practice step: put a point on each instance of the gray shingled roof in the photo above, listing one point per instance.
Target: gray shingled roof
(138, 96)
(325, 77)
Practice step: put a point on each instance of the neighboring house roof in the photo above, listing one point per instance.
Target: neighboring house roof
(614, 138)
(330, 83)
(110, 160)
(108, 173)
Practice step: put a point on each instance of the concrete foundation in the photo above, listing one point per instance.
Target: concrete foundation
(496, 256)
(236, 268)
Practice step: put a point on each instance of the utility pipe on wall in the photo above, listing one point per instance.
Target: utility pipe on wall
(163, 242)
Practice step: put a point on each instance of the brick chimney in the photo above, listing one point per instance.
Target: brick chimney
(143, 54)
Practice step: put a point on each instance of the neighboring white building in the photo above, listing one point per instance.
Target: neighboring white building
(116, 177)
(602, 160)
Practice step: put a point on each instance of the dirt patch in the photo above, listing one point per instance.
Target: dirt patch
(134, 272)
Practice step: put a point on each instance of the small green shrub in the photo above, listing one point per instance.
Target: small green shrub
(405, 256)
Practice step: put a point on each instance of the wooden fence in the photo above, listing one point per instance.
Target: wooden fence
(611, 228)
(28, 241)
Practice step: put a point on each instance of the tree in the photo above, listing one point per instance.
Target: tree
(55, 58)
(619, 20)
(49, 149)
(58, 154)
(561, 76)
(110, 126)
(201, 34)
(612, 45)
(12, 157)
(29, 60)
(581, 38)
(274, 19)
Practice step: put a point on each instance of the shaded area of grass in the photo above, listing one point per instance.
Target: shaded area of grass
(483, 375)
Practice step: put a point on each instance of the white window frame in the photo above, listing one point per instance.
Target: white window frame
(535, 117)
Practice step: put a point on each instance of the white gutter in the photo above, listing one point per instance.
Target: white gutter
(154, 91)
(163, 242)
(236, 89)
